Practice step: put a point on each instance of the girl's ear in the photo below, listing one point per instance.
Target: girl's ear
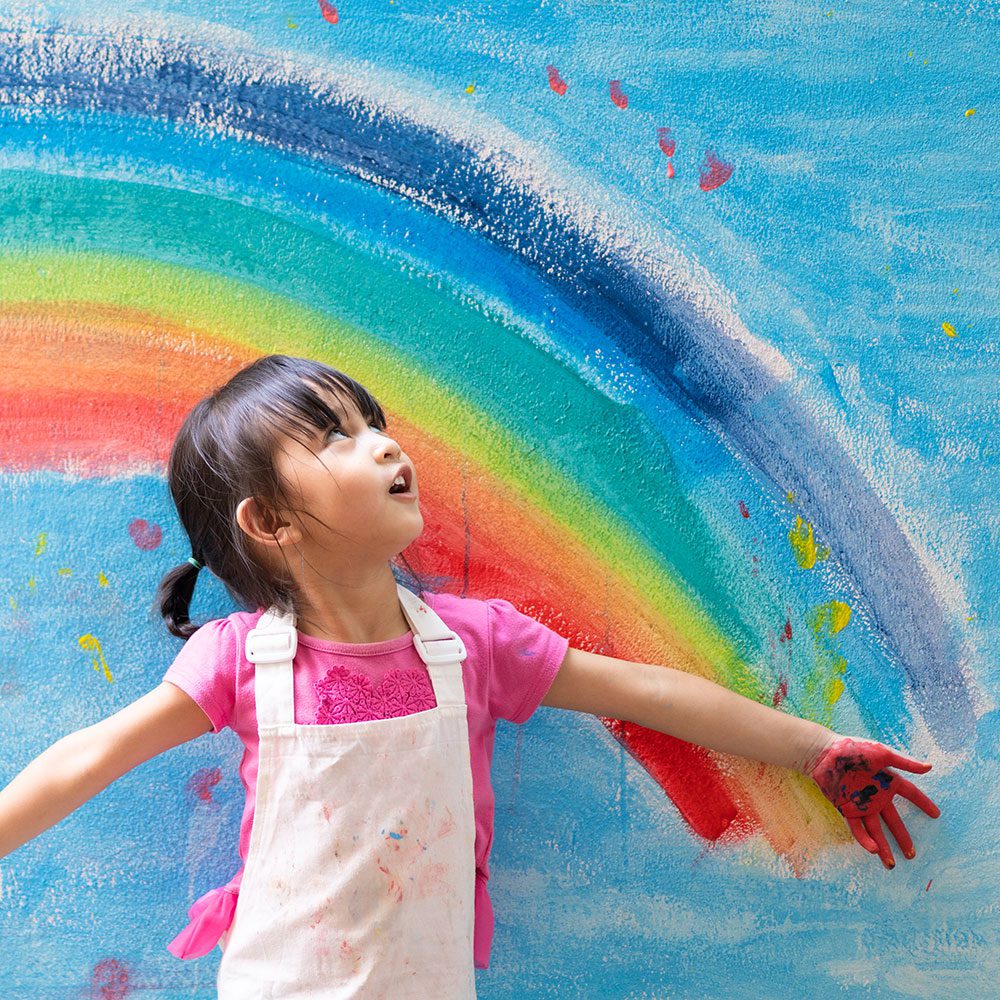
(263, 525)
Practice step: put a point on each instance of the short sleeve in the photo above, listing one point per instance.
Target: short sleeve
(525, 657)
(205, 670)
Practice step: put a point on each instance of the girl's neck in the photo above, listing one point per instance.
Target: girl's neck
(363, 613)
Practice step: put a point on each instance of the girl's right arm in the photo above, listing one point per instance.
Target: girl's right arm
(74, 769)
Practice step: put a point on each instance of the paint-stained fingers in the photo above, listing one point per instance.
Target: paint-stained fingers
(861, 835)
(874, 828)
(899, 831)
(907, 763)
(910, 791)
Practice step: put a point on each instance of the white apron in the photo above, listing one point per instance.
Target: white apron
(360, 874)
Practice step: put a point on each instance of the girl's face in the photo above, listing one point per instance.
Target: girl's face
(343, 479)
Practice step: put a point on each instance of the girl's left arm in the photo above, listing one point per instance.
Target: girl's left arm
(850, 772)
(691, 708)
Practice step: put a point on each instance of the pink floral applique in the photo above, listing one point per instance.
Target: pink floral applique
(343, 695)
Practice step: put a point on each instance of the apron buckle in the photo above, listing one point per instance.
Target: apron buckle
(271, 647)
(455, 650)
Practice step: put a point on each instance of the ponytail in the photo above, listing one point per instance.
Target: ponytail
(173, 598)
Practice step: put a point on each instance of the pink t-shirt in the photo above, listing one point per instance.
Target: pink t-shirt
(511, 663)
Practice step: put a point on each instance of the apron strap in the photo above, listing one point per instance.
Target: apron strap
(438, 646)
(271, 647)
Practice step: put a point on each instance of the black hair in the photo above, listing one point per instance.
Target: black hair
(224, 452)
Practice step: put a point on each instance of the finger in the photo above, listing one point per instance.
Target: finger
(899, 831)
(907, 763)
(874, 828)
(861, 834)
(910, 791)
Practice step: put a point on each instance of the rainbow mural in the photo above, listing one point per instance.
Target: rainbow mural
(601, 437)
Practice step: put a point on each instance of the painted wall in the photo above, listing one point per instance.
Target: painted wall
(687, 315)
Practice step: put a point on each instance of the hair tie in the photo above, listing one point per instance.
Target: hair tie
(194, 562)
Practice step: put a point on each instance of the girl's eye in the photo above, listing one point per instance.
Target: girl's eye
(338, 430)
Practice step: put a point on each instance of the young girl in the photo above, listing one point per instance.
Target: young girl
(367, 712)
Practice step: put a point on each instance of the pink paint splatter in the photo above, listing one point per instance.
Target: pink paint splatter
(329, 12)
(667, 143)
(145, 535)
(394, 888)
(782, 693)
(110, 980)
(203, 781)
(617, 95)
(670, 169)
(714, 172)
(744, 511)
(556, 82)
(447, 824)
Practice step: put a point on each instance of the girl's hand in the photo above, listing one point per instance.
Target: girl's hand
(853, 774)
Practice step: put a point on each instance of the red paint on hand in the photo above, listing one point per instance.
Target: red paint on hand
(329, 12)
(667, 142)
(714, 172)
(853, 774)
(556, 82)
(617, 95)
(145, 535)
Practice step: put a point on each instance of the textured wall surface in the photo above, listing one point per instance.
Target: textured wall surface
(686, 314)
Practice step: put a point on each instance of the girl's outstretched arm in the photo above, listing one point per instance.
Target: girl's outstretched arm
(77, 767)
(852, 773)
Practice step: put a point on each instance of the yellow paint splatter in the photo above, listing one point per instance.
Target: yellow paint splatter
(824, 685)
(804, 545)
(31, 583)
(970, 618)
(13, 604)
(291, 24)
(65, 571)
(948, 329)
(832, 617)
(102, 580)
(789, 496)
(91, 643)
(470, 88)
(970, 112)
(42, 543)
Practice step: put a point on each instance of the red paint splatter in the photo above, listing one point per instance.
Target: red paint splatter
(203, 781)
(329, 12)
(670, 169)
(556, 82)
(667, 143)
(928, 885)
(394, 887)
(744, 511)
(617, 95)
(782, 693)
(110, 980)
(714, 172)
(786, 634)
(145, 535)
